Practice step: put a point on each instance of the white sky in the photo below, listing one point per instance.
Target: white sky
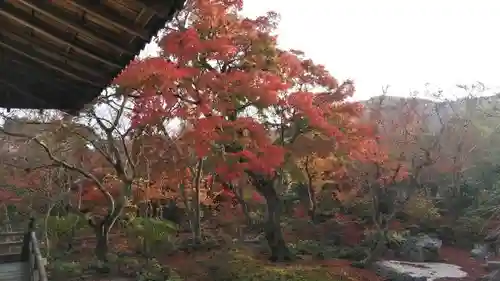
(404, 43)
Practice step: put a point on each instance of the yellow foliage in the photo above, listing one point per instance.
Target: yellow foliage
(421, 207)
(319, 169)
(242, 266)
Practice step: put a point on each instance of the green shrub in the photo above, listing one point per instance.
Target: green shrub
(154, 271)
(66, 270)
(394, 238)
(361, 207)
(151, 270)
(321, 250)
(466, 231)
(240, 266)
(152, 234)
(128, 266)
(315, 249)
(59, 226)
(61, 230)
(421, 208)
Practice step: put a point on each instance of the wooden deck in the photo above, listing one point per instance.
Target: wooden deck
(20, 257)
(16, 271)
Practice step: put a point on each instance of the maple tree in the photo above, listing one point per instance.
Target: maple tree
(95, 147)
(318, 166)
(32, 181)
(431, 141)
(410, 141)
(245, 99)
(460, 150)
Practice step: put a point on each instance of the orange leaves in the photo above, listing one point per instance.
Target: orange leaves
(346, 195)
(303, 102)
(265, 160)
(141, 191)
(245, 143)
(224, 75)
(148, 192)
(140, 72)
(7, 196)
(290, 66)
(186, 45)
(220, 49)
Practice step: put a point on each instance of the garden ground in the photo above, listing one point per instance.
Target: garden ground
(229, 260)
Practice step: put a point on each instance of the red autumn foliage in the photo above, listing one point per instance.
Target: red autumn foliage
(225, 76)
(24, 184)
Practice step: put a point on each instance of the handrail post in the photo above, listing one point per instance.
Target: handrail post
(32, 255)
(31, 225)
(38, 260)
(26, 251)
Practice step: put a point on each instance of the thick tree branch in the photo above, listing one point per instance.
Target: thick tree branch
(66, 165)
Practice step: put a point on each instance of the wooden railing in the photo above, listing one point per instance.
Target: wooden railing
(11, 243)
(32, 255)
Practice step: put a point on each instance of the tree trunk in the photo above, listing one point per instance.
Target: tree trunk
(272, 227)
(197, 211)
(378, 249)
(311, 194)
(272, 230)
(101, 248)
(102, 230)
(243, 204)
(312, 203)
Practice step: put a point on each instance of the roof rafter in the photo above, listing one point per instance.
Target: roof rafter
(45, 86)
(52, 35)
(31, 75)
(158, 7)
(46, 64)
(46, 10)
(36, 49)
(61, 54)
(109, 18)
(22, 92)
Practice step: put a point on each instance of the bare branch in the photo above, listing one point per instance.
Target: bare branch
(66, 165)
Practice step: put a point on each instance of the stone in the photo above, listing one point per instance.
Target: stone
(421, 248)
(480, 252)
(257, 239)
(414, 271)
(493, 265)
(492, 276)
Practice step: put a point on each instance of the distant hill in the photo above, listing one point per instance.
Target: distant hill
(472, 126)
(481, 111)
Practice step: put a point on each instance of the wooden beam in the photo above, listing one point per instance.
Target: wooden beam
(29, 72)
(44, 8)
(35, 90)
(105, 16)
(30, 95)
(46, 64)
(62, 92)
(38, 44)
(34, 25)
(11, 243)
(14, 78)
(32, 47)
(9, 258)
(159, 7)
(24, 93)
(12, 233)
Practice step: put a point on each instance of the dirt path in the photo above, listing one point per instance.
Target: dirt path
(462, 258)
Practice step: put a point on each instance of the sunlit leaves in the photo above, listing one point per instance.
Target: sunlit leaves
(219, 65)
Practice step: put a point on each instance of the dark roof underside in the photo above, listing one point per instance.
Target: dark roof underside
(61, 54)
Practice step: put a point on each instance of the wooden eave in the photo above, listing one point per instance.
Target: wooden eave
(61, 54)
